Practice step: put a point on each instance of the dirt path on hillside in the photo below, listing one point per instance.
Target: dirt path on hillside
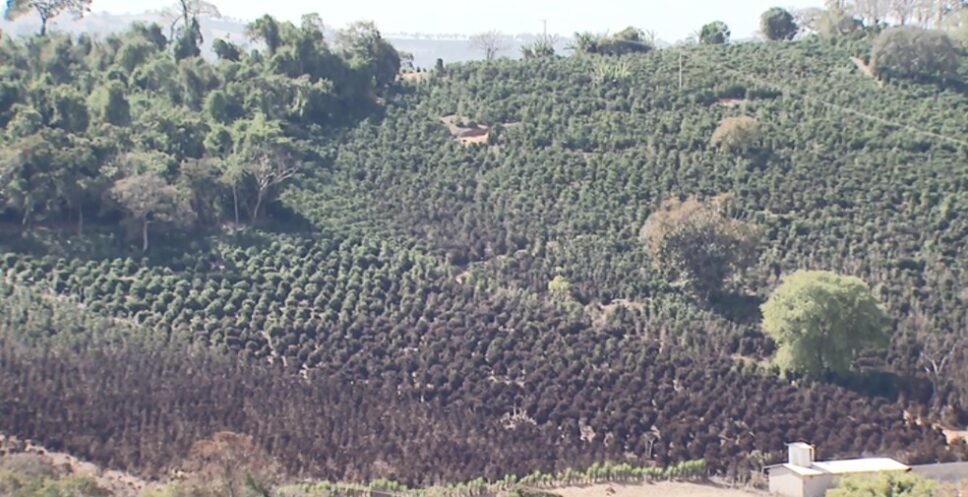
(660, 489)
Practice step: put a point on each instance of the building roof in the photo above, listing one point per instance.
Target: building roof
(847, 466)
(869, 465)
(800, 470)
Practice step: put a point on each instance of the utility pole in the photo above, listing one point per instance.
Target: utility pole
(545, 23)
(680, 69)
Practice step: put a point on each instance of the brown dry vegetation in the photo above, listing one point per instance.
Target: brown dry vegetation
(663, 489)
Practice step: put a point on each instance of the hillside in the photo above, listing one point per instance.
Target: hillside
(408, 299)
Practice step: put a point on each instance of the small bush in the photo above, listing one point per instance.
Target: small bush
(902, 485)
(736, 134)
(29, 465)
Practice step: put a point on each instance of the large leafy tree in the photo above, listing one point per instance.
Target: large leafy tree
(266, 155)
(149, 199)
(184, 11)
(822, 320)
(778, 24)
(46, 9)
(366, 49)
(267, 30)
(714, 33)
(490, 43)
(698, 243)
(912, 52)
(736, 134)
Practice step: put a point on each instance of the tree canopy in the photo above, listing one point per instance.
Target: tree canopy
(83, 117)
(912, 52)
(777, 23)
(698, 243)
(736, 134)
(822, 320)
(628, 40)
(714, 33)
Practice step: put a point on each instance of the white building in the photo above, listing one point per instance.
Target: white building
(802, 476)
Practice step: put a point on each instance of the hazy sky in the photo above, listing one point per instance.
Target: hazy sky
(670, 19)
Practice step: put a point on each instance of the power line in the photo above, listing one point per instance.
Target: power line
(848, 110)
(800, 94)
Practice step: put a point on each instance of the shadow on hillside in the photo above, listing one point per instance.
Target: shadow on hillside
(174, 250)
(884, 384)
(737, 308)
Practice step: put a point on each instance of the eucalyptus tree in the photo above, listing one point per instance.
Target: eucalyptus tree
(46, 9)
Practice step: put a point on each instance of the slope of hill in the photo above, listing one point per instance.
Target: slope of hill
(399, 313)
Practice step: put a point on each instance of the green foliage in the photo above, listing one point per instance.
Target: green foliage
(777, 24)
(911, 52)
(542, 47)
(889, 485)
(698, 243)
(822, 320)
(367, 51)
(80, 114)
(626, 41)
(187, 42)
(836, 22)
(110, 105)
(560, 289)
(149, 199)
(226, 50)
(736, 134)
(714, 33)
(19, 485)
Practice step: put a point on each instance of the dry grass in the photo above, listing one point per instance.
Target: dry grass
(661, 489)
(119, 483)
(415, 76)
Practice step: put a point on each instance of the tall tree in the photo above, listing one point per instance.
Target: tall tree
(903, 10)
(187, 44)
(46, 9)
(185, 10)
(913, 52)
(822, 320)
(269, 169)
(490, 43)
(149, 199)
(366, 49)
(265, 28)
(699, 243)
(778, 24)
(873, 12)
(837, 21)
(266, 155)
(714, 33)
